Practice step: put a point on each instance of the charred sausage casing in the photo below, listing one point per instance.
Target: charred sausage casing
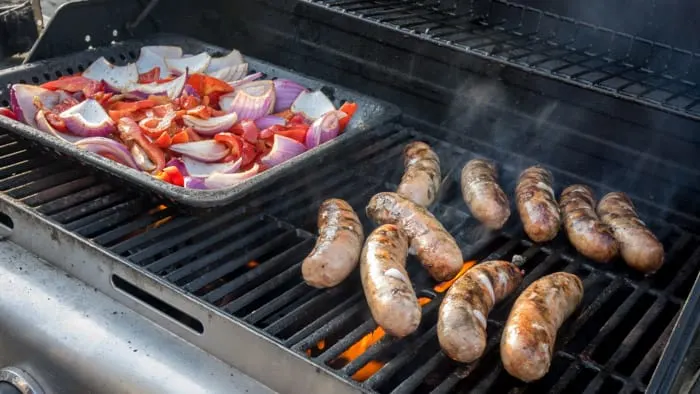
(530, 333)
(387, 287)
(338, 246)
(421, 179)
(462, 317)
(484, 197)
(639, 247)
(589, 235)
(537, 204)
(435, 247)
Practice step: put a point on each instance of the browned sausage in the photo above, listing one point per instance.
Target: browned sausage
(462, 318)
(638, 245)
(537, 205)
(387, 287)
(530, 333)
(435, 247)
(338, 246)
(485, 199)
(589, 235)
(421, 178)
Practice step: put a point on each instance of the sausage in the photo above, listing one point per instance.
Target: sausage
(436, 249)
(537, 205)
(639, 247)
(589, 235)
(530, 332)
(485, 199)
(421, 178)
(462, 317)
(386, 283)
(338, 246)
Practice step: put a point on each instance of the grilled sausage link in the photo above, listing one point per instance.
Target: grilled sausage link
(530, 332)
(485, 199)
(421, 179)
(589, 235)
(462, 317)
(387, 287)
(537, 205)
(435, 247)
(639, 247)
(338, 246)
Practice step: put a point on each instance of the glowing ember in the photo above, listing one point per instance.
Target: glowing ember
(252, 264)
(443, 286)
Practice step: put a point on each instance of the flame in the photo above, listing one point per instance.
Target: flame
(252, 264)
(160, 222)
(443, 286)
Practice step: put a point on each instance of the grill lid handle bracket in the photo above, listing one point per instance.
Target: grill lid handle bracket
(22, 381)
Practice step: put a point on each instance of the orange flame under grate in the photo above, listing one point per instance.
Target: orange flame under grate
(359, 347)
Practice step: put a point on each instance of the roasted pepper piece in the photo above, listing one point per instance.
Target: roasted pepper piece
(131, 133)
(171, 175)
(205, 85)
(238, 146)
(349, 108)
(8, 113)
(150, 76)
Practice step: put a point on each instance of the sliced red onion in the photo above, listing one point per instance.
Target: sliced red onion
(117, 78)
(207, 151)
(105, 145)
(286, 92)
(195, 64)
(194, 183)
(22, 101)
(234, 58)
(141, 158)
(190, 91)
(283, 149)
(250, 101)
(88, 119)
(169, 51)
(43, 124)
(199, 169)
(228, 74)
(172, 89)
(212, 125)
(250, 78)
(312, 105)
(220, 181)
(269, 121)
(324, 129)
(177, 163)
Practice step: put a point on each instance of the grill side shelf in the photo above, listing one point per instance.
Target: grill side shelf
(221, 335)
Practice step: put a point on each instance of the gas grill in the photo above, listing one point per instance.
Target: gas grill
(482, 78)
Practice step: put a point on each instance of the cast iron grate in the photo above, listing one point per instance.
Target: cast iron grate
(246, 262)
(570, 50)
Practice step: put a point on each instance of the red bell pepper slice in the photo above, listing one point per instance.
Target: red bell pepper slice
(205, 85)
(131, 133)
(174, 176)
(297, 133)
(133, 105)
(150, 76)
(349, 108)
(56, 122)
(239, 147)
(75, 84)
(180, 138)
(6, 112)
(200, 111)
(163, 141)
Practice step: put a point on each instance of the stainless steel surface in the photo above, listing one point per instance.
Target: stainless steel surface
(22, 380)
(73, 339)
(230, 340)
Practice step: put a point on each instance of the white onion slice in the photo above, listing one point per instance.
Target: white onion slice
(116, 77)
(198, 169)
(312, 105)
(230, 74)
(148, 60)
(207, 151)
(283, 149)
(250, 101)
(22, 101)
(43, 124)
(195, 64)
(212, 125)
(88, 119)
(172, 89)
(220, 181)
(234, 58)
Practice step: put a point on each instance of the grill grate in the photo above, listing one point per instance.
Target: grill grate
(564, 48)
(246, 262)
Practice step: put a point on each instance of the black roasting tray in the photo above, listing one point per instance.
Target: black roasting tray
(371, 113)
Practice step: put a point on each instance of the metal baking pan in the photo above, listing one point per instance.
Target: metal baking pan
(371, 113)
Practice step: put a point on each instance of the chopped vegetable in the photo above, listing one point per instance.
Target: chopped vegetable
(192, 121)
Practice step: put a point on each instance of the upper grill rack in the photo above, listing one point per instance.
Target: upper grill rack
(246, 260)
(570, 50)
